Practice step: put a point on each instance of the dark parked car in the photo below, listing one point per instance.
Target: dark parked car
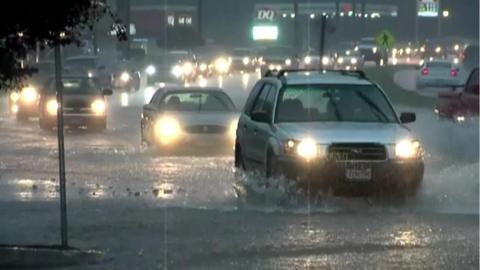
(461, 103)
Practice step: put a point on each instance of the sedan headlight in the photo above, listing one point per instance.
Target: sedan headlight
(307, 149)
(408, 149)
(307, 60)
(98, 107)
(222, 65)
(151, 70)
(246, 61)
(288, 62)
(187, 68)
(203, 67)
(374, 49)
(325, 60)
(340, 60)
(29, 94)
(14, 96)
(167, 130)
(125, 76)
(353, 61)
(177, 71)
(52, 107)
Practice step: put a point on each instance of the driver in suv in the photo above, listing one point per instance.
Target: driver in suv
(333, 129)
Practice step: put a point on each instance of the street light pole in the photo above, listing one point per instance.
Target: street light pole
(61, 148)
(296, 42)
(322, 39)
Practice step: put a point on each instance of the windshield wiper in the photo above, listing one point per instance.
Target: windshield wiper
(379, 113)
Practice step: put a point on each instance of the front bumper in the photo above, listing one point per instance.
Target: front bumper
(387, 177)
(77, 120)
(199, 142)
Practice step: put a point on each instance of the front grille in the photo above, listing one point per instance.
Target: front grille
(205, 129)
(357, 151)
(77, 104)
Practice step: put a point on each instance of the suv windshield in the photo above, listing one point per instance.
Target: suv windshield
(342, 103)
(197, 101)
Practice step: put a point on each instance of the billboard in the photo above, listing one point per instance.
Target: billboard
(427, 8)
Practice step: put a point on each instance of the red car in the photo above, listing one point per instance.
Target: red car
(460, 103)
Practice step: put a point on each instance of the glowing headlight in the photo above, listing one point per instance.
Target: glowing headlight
(14, 96)
(408, 50)
(125, 77)
(246, 61)
(356, 48)
(288, 62)
(456, 47)
(271, 67)
(307, 60)
(187, 68)
(422, 49)
(353, 61)
(407, 149)
(177, 71)
(29, 94)
(340, 60)
(52, 107)
(221, 65)
(233, 128)
(325, 60)
(307, 149)
(374, 49)
(14, 108)
(455, 60)
(203, 67)
(151, 70)
(90, 74)
(166, 130)
(98, 107)
(438, 49)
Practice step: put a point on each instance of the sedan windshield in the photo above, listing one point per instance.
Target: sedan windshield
(198, 101)
(76, 86)
(328, 103)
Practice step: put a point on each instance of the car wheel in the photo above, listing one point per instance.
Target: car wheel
(239, 160)
(271, 166)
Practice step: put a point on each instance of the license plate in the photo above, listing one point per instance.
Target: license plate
(358, 172)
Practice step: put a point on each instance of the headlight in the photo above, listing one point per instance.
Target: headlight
(52, 107)
(151, 70)
(353, 61)
(288, 62)
(374, 49)
(177, 71)
(356, 48)
(307, 149)
(14, 108)
(307, 60)
(221, 65)
(90, 74)
(408, 50)
(166, 130)
(271, 67)
(407, 149)
(438, 49)
(456, 47)
(325, 60)
(187, 68)
(125, 76)
(29, 94)
(340, 60)
(98, 107)
(203, 67)
(14, 96)
(246, 61)
(233, 128)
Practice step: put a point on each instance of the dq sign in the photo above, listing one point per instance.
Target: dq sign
(265, 14)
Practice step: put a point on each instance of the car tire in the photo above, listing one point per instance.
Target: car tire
(271, 165)
(239, 160)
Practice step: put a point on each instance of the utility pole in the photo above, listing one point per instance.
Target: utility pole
(322, 39)
(200, 18)
(439, 19)
(61, 147)
(296, 42)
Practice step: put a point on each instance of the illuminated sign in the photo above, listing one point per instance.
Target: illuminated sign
(265, 15)
(265, 32)
(427, 8)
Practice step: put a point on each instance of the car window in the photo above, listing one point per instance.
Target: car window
(472, 84)
(197, 101)
(344, 103)
(438, 65)
(252, 97)
(156, 98)
(270, 100)
(259, 103)
(76, 85)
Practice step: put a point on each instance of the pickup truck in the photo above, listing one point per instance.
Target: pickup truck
(462, 102)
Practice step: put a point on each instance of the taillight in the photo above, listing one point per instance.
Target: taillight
(453, 72)
(425, 71)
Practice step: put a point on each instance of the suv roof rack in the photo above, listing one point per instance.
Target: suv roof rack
(282, 72)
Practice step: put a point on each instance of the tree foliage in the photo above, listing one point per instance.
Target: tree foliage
(24, 24)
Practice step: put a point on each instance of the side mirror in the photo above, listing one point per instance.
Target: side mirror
(408, 117)
(107, 92)
(260, 117)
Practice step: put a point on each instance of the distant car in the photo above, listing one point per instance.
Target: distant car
(437, 73)
(371, 51)
(84, 104)
(276, 58)
(24, 102)
(125, 77)
(349, 60)
(243, 60)
(88, 65)
(189, 118)
(335, 130)
(167, 67)
(460, 104)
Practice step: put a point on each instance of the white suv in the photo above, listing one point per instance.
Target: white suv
(334, 129)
